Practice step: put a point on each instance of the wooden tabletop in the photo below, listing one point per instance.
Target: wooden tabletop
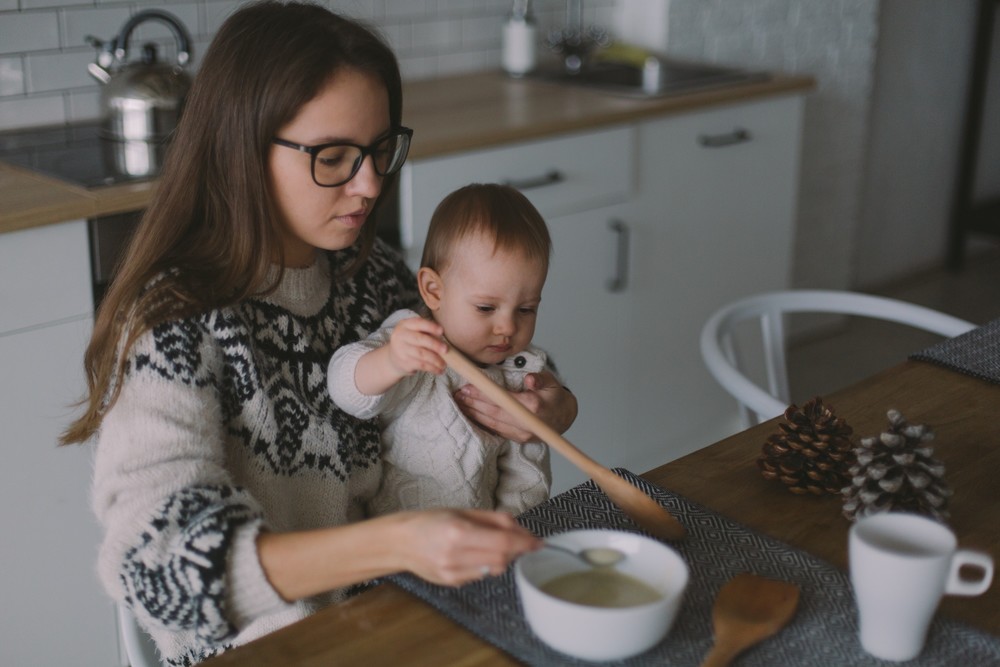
(387, 626)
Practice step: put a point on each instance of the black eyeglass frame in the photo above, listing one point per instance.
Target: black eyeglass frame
(313, 151)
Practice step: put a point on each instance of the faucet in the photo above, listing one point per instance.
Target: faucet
(574, 42)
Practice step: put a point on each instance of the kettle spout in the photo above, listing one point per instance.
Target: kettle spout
(99, 73)
(99, 70)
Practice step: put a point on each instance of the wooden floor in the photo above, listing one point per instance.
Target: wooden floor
(821, 363)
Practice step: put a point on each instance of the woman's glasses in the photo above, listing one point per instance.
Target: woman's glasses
(336, 163)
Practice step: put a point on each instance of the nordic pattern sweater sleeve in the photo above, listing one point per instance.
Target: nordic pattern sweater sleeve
(175, 520)
(224, 428)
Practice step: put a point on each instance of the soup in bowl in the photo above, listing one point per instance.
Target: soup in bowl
(601, 613)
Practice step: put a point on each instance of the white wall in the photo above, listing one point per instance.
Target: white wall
(921, 83)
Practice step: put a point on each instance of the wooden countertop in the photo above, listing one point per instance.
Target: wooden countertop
(29, 199)
(448, 114)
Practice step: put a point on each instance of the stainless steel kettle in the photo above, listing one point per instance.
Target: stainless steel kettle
(141, 101)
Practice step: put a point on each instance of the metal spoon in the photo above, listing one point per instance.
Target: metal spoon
(642, 509)
(592, 556)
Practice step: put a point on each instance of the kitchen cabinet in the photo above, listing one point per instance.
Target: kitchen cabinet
(56, 612)
(581, 184)
(560, 176)
(714, 221)
(692, 209)
(582, 324)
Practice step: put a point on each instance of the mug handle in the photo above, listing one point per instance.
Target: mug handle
(958, 586)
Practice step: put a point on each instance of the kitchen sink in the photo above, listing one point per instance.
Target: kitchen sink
(657, 78)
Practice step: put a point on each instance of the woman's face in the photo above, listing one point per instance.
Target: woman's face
(353, 107)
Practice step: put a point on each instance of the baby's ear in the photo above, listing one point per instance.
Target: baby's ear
(429, 283)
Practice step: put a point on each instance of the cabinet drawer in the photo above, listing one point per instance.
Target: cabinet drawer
(560, 176)
(723, 160)
(44, 275)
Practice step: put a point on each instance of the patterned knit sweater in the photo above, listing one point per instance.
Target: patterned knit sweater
(224, 427)
(433, 455)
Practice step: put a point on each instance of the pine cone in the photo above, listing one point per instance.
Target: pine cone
(812, 453)
(895, 471)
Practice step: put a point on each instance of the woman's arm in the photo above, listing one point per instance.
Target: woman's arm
(543, 394)
(449, 547)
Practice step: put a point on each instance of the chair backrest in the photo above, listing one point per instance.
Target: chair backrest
(139, 646)
(758, 404)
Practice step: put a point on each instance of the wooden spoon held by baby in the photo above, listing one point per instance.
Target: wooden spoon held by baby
(642, 509)
(748, 609)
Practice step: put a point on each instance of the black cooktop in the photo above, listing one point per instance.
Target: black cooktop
(73, 153)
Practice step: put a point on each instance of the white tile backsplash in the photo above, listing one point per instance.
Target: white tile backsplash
(44, 55)
(19, 112)
(28, 31)
(51, 4)
(101, 22)
(55, 72)
(11, 76)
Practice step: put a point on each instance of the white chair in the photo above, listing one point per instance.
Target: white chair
(718, 349)
(139, 646)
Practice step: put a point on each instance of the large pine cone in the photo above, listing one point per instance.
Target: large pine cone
(896, 471)
(812, 453)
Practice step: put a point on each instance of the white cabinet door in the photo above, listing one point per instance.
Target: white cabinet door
(560, 176)
(715, 222)
(55, 612)
(581, 324)
(44, 275)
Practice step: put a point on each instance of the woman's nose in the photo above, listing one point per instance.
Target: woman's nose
(366, 183)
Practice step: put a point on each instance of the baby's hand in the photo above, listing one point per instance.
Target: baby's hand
(416, 345)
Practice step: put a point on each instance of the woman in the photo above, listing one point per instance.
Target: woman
(229, 487)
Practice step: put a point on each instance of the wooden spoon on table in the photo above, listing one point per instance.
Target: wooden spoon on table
(642, 509)
(748, 609)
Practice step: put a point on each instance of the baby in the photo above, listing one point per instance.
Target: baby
(485, 261)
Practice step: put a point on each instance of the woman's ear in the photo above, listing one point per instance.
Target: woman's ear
(429, 283)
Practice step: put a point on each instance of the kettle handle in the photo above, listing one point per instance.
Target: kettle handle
(180, 34)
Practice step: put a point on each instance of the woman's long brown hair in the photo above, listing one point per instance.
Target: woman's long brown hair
(212, 229)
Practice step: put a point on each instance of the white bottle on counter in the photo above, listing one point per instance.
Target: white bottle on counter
(519, 40)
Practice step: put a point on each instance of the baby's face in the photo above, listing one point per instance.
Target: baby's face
(489, 300)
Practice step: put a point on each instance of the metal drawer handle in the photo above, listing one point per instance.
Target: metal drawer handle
(737, 136)
(550, 178)
(619, 281)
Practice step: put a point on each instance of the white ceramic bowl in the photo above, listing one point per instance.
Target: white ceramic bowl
(602, 633)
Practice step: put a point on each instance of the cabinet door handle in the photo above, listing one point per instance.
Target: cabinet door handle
(550, 178)
(737, 136)
(619, 281)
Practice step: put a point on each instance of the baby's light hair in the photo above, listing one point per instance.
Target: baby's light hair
(500, 212)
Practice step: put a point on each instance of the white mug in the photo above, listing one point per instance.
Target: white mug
(901, 564)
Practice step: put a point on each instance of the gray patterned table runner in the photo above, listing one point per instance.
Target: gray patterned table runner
(823, 631)
(975, 353)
